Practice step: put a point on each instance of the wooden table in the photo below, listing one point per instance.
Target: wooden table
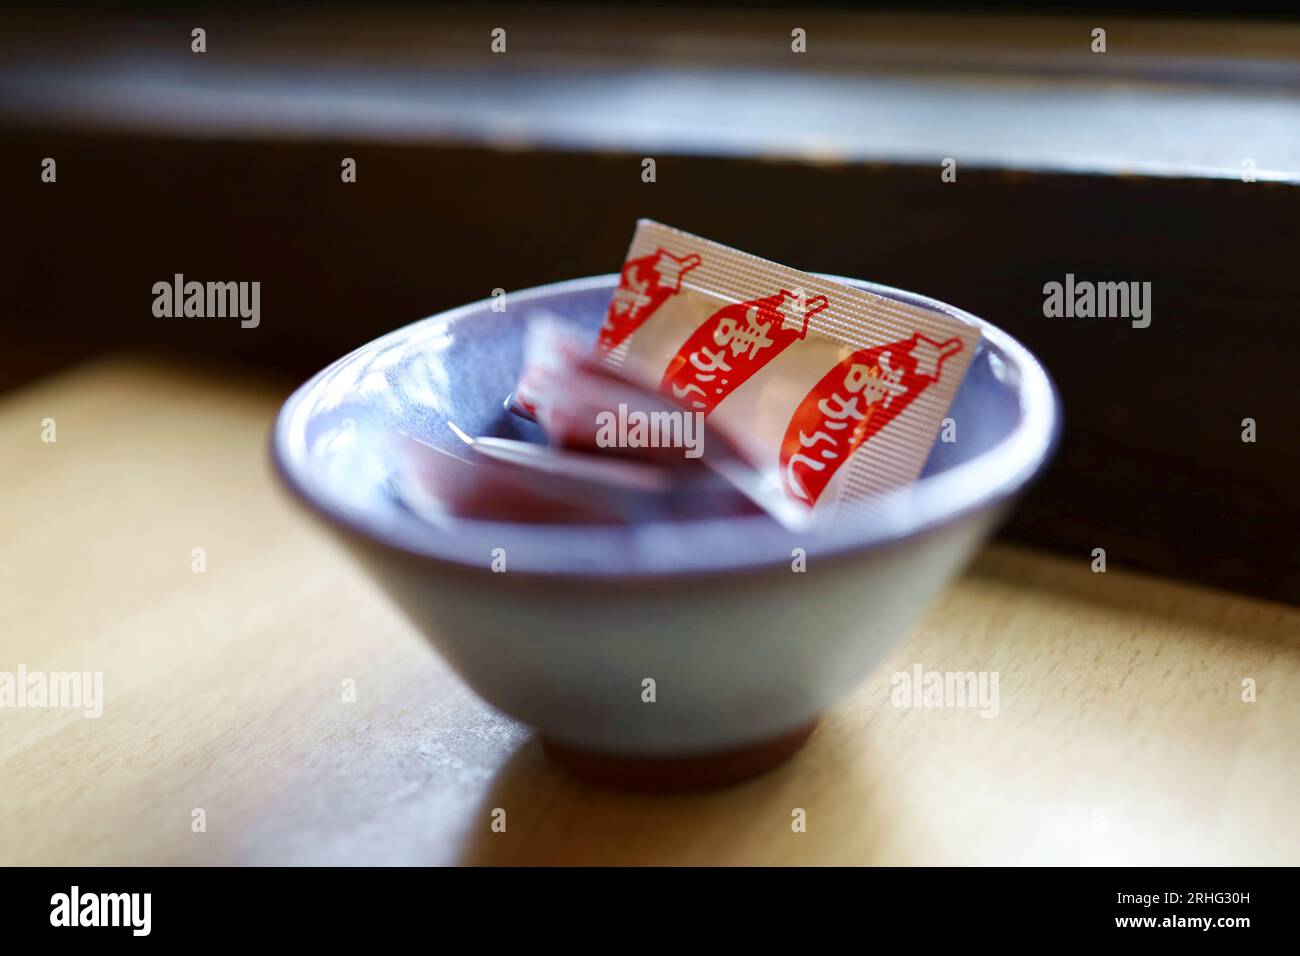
(1122, 736)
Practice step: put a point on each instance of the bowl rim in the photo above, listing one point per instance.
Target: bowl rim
(725, 545)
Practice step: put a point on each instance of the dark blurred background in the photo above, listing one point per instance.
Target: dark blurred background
(478, 170)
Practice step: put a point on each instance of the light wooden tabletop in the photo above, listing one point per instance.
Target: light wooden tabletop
(1121, 735)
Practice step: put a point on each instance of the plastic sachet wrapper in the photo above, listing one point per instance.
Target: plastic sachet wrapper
(817, 396)
(584, 406)
(501, 479)
(617, 452)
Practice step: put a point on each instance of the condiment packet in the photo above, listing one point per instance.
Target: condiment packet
(834, 394)
(506, 479)
(553, 348)
(581, 404)
(819, 397)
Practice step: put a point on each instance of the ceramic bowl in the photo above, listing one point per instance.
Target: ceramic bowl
(744, 651)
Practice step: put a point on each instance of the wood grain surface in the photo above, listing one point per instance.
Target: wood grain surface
(1121, 734)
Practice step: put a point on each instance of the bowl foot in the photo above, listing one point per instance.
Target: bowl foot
(688, 774)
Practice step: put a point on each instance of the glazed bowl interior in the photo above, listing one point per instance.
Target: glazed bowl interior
(336, 445)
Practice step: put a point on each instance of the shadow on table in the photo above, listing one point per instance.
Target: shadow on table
(553, 818)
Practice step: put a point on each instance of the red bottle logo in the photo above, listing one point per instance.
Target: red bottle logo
(644, 285)
(733, 344)
(851, 403)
